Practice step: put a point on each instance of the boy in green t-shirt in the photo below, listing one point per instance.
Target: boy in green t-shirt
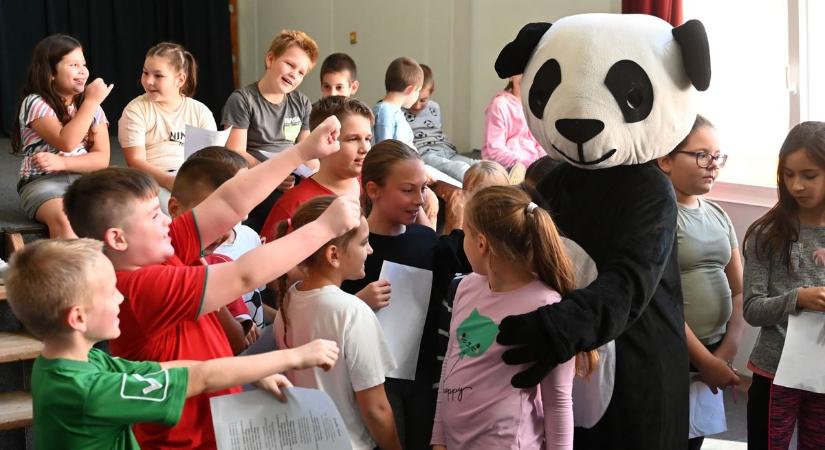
(64, 293)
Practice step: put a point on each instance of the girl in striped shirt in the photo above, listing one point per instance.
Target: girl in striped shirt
(60, 130)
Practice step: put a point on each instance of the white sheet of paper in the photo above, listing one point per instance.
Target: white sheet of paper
(441, 176)
(198, 138)
(802, 365)
(304, 171)
(707, 411)
(403, 320)
(256, 420)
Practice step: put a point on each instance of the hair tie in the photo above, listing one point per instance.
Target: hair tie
(530, 207)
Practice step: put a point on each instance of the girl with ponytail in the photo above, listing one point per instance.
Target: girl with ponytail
(315, 307)
(519, 264)
(152, 129)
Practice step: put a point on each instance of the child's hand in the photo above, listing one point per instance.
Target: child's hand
(318, 353)
(49, 162)
(252, 335)
(273, 385)
(376, 294)
(819, 257)
(287, 184)
(97, 91)
(342, 215)
(717, 374)
(812, 298)
(322, 141)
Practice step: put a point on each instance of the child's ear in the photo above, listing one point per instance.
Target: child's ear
(664, 163)
(76, 319)
(270, 57)
(373, 190)
(483, 244)
(181, 78)
(174, 207)
(353, 87)
(332, 255)
(409, 90)
(115, 239)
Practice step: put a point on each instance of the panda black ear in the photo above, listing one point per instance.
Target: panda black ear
(514, 56)
(693, 40)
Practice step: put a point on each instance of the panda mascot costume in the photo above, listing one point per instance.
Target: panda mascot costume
(608, 94)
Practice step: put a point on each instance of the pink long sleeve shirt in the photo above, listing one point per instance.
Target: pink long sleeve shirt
(507, 139)
(477, 406)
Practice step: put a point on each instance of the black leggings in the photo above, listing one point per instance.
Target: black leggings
(759, 397)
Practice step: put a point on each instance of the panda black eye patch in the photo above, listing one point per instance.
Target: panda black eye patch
(632, 90)
(547, 79)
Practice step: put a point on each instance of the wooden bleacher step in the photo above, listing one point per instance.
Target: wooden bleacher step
(18, 346)
(15, 410)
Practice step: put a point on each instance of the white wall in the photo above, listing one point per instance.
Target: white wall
(459, 39)
(742, 213)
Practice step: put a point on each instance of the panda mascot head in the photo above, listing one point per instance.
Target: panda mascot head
(602, 90)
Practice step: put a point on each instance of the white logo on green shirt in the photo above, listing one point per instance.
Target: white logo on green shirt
(152, 386)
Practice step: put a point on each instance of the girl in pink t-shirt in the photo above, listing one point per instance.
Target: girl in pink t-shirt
(519, 264)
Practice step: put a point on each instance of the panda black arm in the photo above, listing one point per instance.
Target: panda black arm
(631, 250)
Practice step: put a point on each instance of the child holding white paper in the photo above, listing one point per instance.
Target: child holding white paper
(318, 307)
(152, 128)
(393, 182)
(519, 264)
(785, 274)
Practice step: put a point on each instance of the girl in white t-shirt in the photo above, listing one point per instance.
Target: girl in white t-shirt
(152, 129)
(317, 307)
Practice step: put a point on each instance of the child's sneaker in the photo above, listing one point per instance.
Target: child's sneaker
(3, 268)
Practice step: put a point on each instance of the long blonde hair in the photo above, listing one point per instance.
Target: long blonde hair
(519, 232)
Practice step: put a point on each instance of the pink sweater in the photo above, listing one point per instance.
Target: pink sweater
(507, 139)
(477, 407)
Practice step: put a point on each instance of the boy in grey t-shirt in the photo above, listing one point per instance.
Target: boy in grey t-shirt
(270, 114)
(424, 117)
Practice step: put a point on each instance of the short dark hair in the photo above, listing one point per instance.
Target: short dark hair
(222, 154)
(403, 72)
(101, 199)
(198, 176)
(339, 62)
(428, 77)
(340, 107)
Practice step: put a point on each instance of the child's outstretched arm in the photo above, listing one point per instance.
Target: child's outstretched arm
(221, 373)
(231, 202)
(230, 280)
(69, 136)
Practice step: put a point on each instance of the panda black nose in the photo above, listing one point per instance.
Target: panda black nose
(579, 130)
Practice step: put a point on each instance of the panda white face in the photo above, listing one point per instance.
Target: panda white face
(602, 90)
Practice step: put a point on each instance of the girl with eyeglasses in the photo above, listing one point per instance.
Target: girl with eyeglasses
(709, 261)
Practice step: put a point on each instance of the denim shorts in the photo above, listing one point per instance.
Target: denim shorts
(44, 188)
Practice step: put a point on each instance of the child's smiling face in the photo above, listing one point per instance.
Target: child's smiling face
(287, 71)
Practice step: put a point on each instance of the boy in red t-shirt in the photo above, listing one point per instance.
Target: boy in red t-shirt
(168, 311)
(339, 172)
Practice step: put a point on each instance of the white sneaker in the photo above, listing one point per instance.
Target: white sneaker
(3, 268)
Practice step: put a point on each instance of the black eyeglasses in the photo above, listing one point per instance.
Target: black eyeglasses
(704, 159)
